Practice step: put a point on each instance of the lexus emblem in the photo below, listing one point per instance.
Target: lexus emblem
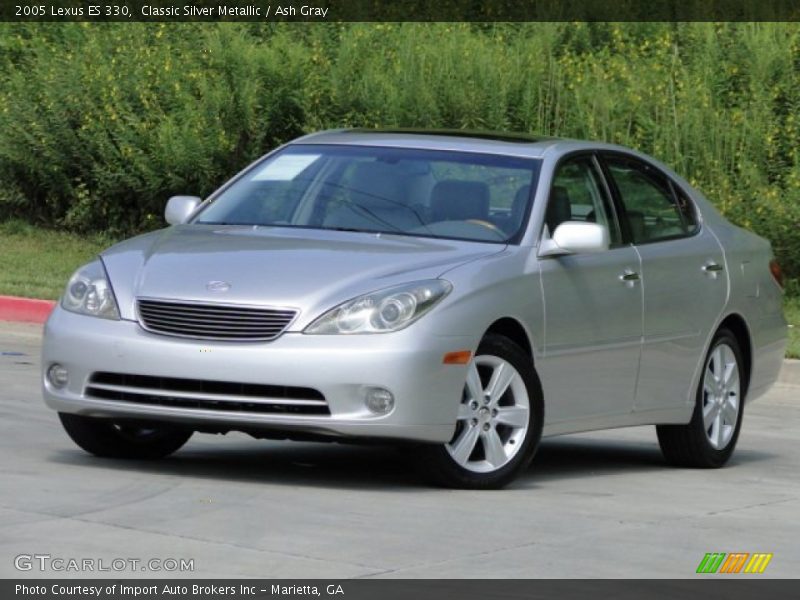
(218, 286)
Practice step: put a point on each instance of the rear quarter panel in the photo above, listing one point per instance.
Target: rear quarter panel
(758, 299)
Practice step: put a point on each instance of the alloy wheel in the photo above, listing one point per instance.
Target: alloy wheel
(721, 396)
(493, 417)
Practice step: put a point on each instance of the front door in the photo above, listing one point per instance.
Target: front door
(593, 306)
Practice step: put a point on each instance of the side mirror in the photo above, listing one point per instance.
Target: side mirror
(179, 208)
(575, 237)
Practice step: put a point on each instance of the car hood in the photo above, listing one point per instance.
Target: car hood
(310, 270)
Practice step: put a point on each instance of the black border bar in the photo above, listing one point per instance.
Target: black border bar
(398, 10)
(705, 587)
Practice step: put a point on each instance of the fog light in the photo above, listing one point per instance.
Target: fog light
(379, 401)
(57, 375)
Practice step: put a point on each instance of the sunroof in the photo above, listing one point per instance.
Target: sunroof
(499, 136)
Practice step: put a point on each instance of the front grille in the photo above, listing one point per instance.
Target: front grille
(213, 321)
(206, 395)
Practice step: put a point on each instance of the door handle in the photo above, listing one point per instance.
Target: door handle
(629, 277)
(713, 268)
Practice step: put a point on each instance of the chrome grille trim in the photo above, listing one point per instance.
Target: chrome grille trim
(199, 394)
(213, 321)
(215, 397)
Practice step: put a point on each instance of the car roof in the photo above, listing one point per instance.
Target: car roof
(489, 142)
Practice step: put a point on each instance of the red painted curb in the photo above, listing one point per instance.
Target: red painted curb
(25, 310)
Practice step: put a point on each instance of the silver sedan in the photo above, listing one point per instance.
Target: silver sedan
(461, 293)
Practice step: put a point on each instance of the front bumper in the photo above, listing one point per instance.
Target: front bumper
(408, 363)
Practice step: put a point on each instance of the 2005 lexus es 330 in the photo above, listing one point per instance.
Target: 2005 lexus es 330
(465, 292)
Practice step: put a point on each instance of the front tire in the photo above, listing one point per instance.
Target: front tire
(499, 421)
(124, 439)
(708, 441)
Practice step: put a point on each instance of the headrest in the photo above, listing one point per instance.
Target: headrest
(376, 184)
(454, 200)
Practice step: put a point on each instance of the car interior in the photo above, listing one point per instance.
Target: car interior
(439, 198)
(406, 196)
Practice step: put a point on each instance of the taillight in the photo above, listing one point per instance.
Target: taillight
(777, 274)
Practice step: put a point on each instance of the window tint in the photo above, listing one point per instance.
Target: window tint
(687, 210)
(650, 206)
(578, 194)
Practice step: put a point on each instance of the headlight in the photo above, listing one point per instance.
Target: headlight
(383, 311)
(89, 293)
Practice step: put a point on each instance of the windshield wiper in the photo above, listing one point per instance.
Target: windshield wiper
(276, 224)
(353, 229)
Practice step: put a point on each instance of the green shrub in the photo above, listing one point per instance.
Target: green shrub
(100, 123)
(118, 118)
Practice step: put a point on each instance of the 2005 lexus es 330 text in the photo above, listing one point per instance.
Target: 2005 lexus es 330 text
(464, 292)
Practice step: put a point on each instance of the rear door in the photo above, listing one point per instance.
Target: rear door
(593, 305)
(683, 276)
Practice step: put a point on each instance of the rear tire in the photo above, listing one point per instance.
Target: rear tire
(709, 439)
(499, 422)
(124, 439)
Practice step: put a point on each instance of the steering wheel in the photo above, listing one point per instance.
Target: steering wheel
(494, 228)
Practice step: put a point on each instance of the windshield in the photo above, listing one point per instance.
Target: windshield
(433, 193)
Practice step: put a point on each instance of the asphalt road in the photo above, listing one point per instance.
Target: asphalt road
(592, 505)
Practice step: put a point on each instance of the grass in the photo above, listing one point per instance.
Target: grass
(37, 263)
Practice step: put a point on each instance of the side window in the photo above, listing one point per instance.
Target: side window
(651, 208)
(578, 194)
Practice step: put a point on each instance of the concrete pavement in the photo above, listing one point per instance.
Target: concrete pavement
(592, 505)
